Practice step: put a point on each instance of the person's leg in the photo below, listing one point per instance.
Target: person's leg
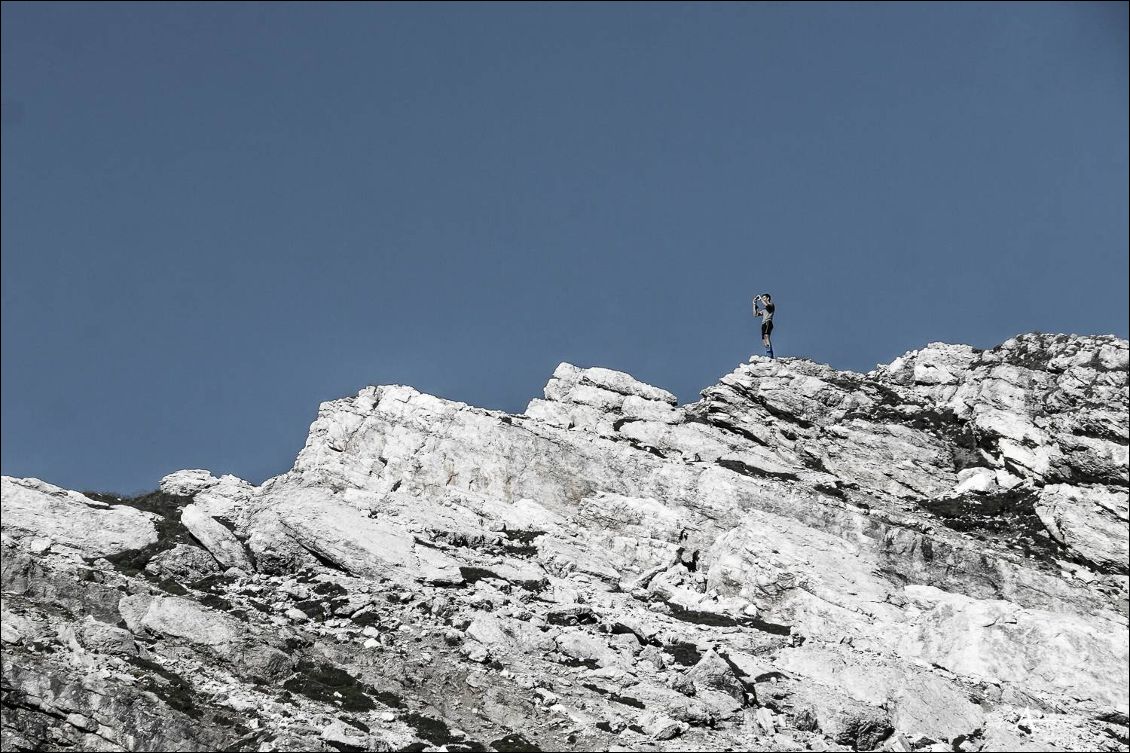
(766, 339)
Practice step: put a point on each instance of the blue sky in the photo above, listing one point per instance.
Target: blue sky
(217, 216)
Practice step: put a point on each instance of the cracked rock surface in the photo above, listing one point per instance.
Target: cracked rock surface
(930, 556)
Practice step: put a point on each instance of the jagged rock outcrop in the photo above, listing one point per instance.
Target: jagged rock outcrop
(930, 556)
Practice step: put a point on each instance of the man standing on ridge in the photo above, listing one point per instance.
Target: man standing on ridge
(766, 314)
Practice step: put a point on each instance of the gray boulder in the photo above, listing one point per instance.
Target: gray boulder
(183, 563)
(218, 540)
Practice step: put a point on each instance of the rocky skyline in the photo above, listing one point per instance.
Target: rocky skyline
(929, 556)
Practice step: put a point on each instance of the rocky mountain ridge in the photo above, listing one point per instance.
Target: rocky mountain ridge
(930, 556)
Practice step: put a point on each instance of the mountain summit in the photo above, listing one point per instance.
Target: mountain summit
(929, 556)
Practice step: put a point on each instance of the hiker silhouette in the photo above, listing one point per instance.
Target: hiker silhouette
(766, 313)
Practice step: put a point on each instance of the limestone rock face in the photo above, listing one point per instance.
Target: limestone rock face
(174, 616)
(932, 555)
(50, 516)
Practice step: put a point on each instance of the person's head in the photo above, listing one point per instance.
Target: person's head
(766, 297)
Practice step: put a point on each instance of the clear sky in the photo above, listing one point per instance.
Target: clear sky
(217, 216)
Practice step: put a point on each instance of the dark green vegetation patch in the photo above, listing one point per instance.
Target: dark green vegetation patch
(319, 682)
(513, 743)
(174, 691)
(388, 698)
(170, 531)
(686, 654)
(329, 589)
(430, 729)
(1009, 515)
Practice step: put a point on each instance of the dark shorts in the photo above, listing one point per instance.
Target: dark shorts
(767, 328)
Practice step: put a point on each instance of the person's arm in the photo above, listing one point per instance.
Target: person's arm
(755, 300)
